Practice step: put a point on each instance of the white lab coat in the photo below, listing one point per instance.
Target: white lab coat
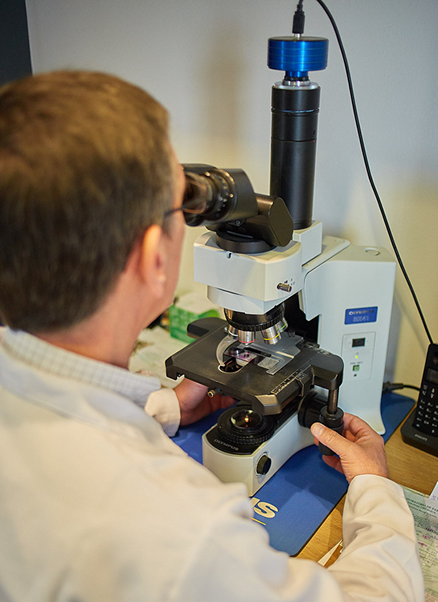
(98, 504)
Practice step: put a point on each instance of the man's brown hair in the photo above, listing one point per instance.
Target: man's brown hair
(85, 168)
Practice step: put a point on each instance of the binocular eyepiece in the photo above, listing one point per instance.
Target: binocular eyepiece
(224, 201)
(214, 195)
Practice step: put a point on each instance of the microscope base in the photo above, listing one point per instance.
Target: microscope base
(268, 457)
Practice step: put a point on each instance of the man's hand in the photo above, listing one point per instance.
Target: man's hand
(195, 403)
(360, 450)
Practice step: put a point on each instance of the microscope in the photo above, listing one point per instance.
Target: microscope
(304, 312)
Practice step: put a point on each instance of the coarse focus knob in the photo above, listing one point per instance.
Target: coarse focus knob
(263, 465)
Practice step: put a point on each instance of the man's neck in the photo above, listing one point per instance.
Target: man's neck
(104, 347)
(100, 337)
(109, 335)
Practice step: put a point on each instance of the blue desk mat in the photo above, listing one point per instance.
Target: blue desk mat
(298, 498)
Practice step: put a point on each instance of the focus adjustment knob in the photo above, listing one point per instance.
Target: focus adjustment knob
(263, 465)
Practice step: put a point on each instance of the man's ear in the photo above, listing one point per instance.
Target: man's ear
(152, 260)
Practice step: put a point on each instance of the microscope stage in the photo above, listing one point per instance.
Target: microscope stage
(267, 390)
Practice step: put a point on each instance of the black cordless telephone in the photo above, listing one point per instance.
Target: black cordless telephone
(421, 426)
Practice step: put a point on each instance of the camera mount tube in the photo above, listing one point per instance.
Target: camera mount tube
(295, 111)
(295, 108)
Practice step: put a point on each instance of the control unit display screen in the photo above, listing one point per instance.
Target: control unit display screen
(358, 342)
(432, 376)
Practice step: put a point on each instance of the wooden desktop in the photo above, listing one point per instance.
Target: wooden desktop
(407, 465)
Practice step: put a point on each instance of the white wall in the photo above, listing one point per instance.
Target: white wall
(205, 60)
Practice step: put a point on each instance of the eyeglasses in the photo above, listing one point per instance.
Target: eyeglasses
(197, 195)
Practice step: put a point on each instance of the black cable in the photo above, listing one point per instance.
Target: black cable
(298, 22)
(368, 169)
(388, 387)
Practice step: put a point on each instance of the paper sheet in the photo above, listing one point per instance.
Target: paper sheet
(425, 512)
(150, 352)
(332, 555)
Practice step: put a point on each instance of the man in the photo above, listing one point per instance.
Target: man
(96, 502)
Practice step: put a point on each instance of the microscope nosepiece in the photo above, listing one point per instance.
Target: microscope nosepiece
(245, 326)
